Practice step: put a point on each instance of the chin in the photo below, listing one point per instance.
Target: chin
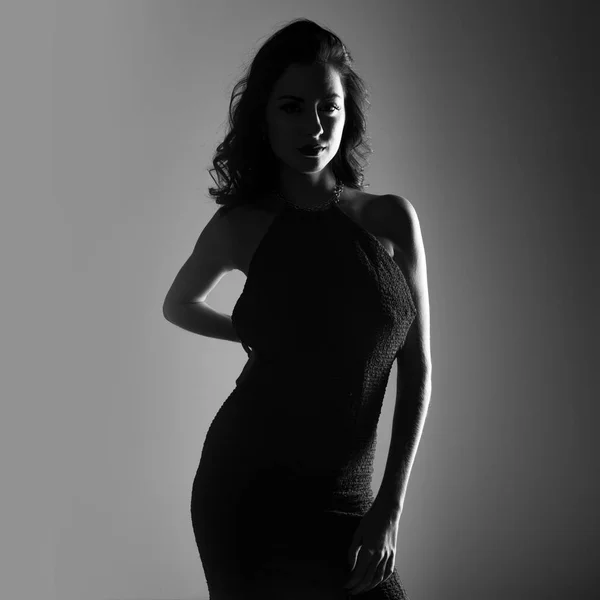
(306, 171)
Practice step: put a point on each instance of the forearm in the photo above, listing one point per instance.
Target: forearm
(200, 318)
(410, 412)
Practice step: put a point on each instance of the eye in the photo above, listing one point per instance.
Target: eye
(289, 106)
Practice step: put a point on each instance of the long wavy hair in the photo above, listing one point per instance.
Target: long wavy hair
(245, 165)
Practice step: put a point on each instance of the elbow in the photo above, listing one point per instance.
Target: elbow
(415, 367)
(168, 310)
(165, 314)
(415, 375)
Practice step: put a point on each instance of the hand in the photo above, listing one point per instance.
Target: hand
(376, 536)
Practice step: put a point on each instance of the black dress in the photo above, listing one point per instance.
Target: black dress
(285, 472)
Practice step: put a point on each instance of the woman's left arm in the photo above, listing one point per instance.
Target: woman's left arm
(413, 390)
(372, 551)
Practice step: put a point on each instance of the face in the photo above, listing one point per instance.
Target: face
(315, 115)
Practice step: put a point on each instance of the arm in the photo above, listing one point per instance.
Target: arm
(375, 538)
(214, 255)
(413, 390)
(410, 412)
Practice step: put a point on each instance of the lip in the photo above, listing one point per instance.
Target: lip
(312, 150)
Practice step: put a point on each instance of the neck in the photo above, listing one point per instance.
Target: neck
(306, 189)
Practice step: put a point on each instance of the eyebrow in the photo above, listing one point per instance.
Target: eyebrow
(332, 95)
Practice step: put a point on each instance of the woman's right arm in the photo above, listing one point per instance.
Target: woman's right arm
(200, 318)
(214, 255)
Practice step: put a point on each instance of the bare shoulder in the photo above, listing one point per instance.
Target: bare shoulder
(370, 212)
(391, 218)
(399, 205)
(249, 223)
(382, 206)
(401, 222)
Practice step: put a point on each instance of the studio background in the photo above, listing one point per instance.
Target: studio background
(110, 114)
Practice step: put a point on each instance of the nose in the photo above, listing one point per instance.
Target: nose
(313, 127)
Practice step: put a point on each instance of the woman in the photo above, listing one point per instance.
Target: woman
(336, 290)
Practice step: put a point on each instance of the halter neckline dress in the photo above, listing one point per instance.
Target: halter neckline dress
(286, 467)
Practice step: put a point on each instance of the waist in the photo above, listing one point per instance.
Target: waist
(300, 372)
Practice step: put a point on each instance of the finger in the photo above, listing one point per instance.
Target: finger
(352, 556)
(389, 568)
(377, 577)
(372, 576)
(382, 572)
(358, 573)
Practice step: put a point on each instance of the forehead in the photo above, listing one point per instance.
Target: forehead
(308, 81)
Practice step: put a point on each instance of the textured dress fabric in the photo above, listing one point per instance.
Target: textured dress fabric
(285, 472)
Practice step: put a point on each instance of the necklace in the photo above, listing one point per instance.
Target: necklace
(335, 198)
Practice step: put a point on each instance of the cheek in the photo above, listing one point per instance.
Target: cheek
(279, 122)
(338, 129)
(280, 131)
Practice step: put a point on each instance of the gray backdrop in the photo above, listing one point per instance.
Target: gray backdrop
(110, 113)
